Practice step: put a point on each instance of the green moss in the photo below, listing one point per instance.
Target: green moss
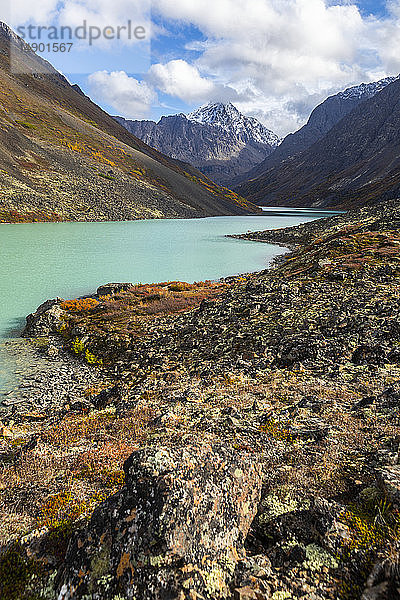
(215, 581)
(277, 504)
(281, 596)
(17, 574)
(77, 346)
(92, 359)
(100, 565)
(25, 124)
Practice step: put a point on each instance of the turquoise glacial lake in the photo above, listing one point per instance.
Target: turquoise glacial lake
(39, 261)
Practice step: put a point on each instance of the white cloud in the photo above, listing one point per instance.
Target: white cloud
(128, 96)
(279, 54)
(385, 38)
(273, 58)
(18, 12)
(178, 78)
(73, 13)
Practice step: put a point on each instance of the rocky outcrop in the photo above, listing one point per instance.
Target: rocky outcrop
(383, 581)
(176, 530)
(113, 288)
(389, 481)
(46, 320)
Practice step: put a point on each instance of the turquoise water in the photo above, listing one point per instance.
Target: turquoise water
(44, 260)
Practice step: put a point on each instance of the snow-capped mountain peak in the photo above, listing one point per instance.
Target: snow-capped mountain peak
(216, 113)
(230, 119)
(367, 90)
(216, 138)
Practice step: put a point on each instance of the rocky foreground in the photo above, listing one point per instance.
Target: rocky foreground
(241, 440)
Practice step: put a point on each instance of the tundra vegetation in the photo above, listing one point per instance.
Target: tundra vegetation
(243, 440)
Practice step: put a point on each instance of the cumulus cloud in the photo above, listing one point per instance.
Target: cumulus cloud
(73, 13)
(279, 54)
(275, 59)
(134, 99)
(21, 11)
(180, 79)
(128, 96)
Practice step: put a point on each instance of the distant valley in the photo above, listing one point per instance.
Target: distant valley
(345, 155)
(321, 120)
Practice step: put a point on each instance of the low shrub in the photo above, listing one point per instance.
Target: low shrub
(79, 304)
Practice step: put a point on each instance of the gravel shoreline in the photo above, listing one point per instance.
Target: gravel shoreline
(47, 379)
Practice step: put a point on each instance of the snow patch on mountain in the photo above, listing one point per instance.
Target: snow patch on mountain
(230, 119)
(367, 90)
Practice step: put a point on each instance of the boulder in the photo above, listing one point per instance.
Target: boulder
(365, 355)
(175, 531)
(248, 593)
(378, 592)
(113, 288)
(46, 320)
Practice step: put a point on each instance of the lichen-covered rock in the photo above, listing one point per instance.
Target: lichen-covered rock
(176, 530)
(46, 320)
(383, 581)
(378, 592)
(113, 288)
(389, 480)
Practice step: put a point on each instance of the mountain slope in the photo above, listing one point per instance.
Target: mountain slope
(63, 158)
(321, 120)
(357, 162)
(216, 138)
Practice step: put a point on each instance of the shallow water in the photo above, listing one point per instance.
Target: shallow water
(44, 260)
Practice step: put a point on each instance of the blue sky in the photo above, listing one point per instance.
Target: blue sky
(374, 7)
(274, 59)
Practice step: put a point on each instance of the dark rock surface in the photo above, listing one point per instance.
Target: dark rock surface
(46, 320)
(176, 530)
(219, 152)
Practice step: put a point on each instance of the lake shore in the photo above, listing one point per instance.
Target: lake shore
(71, 259)
(287, 377)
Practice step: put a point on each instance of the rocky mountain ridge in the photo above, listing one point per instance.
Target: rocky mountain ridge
(356, 163)
(321, 120)
(216, 138)
(229, 118)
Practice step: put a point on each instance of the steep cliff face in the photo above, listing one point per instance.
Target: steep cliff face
(321, 120)
(63, 158)
(216, 138)
(357, 162)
